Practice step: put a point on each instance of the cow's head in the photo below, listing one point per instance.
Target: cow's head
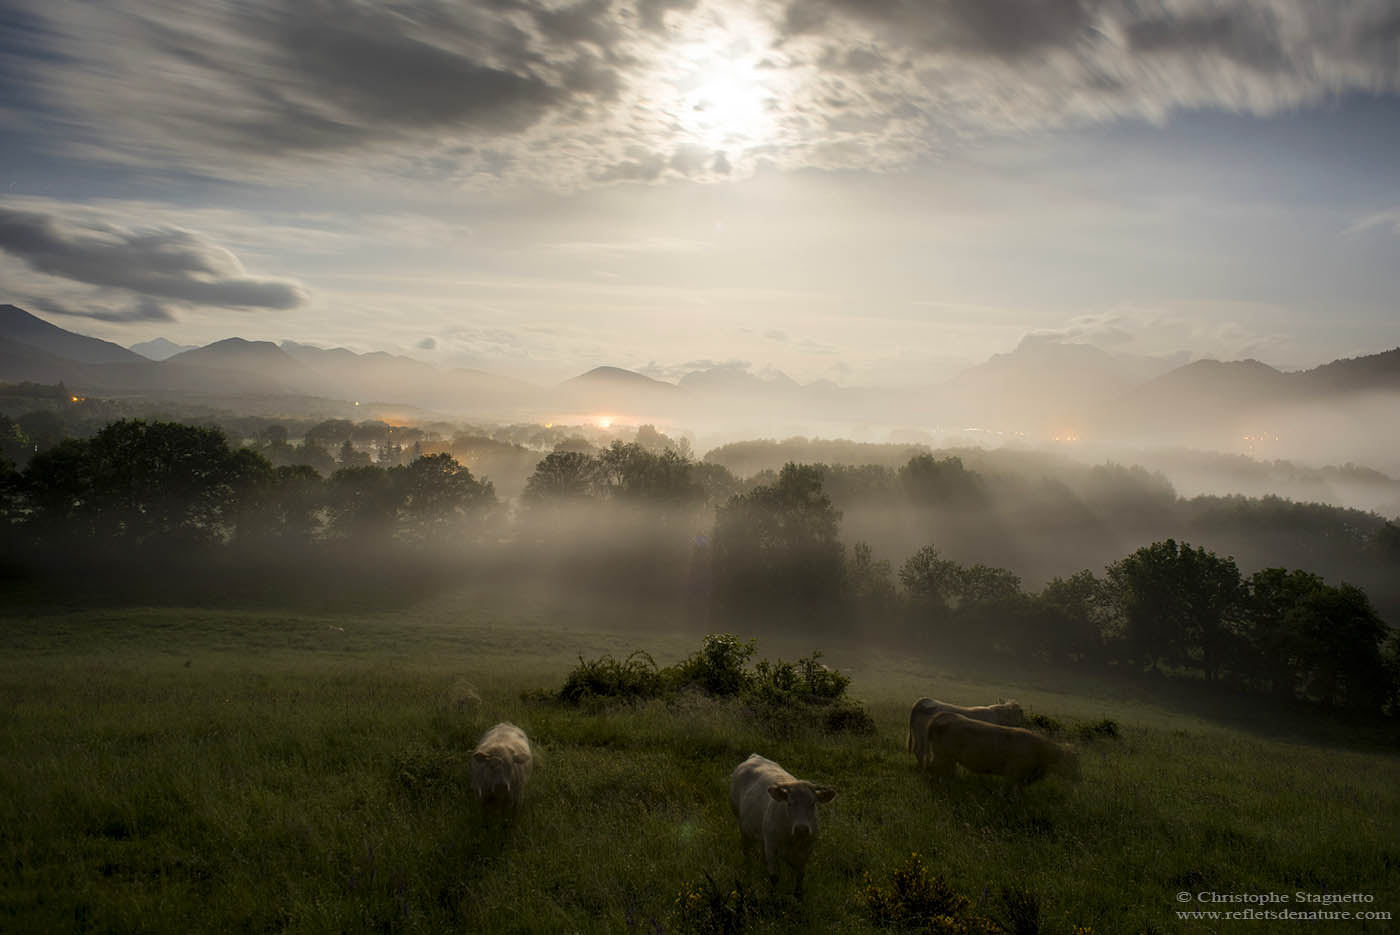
(496, 773)
(801, 798)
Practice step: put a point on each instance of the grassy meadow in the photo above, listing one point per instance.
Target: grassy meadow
(179, 770)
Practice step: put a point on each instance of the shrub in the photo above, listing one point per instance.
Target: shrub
(1107, 727)
(718, 668)
(705, 909)
(917, 899)
(605, 677)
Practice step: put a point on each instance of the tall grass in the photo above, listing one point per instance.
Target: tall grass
(197, 771)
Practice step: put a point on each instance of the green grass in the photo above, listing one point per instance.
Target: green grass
(194, 770)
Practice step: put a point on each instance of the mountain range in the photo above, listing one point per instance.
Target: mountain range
(1040, 390)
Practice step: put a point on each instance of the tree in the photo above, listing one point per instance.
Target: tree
(15, 445)
(870, 582)
(364, 504)
(439, 495)
(929, 481)
(329, 434)
(1273, 629)
(931, 580)
(778, 543)
(630, 472)
(1072, 619)
(563, 475)
(140, 482)
(1178, 605)
(350, 456)
(1342, 638)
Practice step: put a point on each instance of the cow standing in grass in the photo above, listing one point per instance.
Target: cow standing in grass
(1012, 752)
(780, 811)
(500, 767)
(1007, 713)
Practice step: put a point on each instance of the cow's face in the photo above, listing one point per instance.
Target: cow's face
(496, 774)
(801, 799)
(1011, 714)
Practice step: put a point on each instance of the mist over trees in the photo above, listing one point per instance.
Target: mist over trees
(930, 554)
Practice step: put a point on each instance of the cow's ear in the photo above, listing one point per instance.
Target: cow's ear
(478, 755)
(778, 792)
(521, 757)
(824, 793)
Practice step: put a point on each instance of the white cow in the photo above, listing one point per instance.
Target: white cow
(500, 767)
(779, 810)
(1007, 714)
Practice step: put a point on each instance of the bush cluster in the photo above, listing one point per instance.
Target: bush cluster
(787, 694)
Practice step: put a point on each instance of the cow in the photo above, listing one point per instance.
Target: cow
(1012, 752)
(1008, 713)
(778, 810)
(500, 767)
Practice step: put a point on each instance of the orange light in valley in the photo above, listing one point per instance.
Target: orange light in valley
(605, 422)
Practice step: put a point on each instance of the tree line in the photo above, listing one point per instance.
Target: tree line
(647, 517)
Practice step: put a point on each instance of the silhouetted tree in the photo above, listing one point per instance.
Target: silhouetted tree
(350, 456)
(630, 472)
(15, 445)
(329, 434)
(564, 475)
(931, 580)
(364, 504)
(1178, 605)
(930, 481)
(778, 544)
(1273, 629)
(439, 495)
(870, 582)
(1342, 638)
(1072, 619)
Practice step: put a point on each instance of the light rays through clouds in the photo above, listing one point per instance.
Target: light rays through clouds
(495, 125)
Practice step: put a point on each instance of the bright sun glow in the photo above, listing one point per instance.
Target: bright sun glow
(713, 88)
(605, 422)
(726, 106)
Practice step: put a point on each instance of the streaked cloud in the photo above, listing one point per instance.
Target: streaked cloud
(152, 267)
(607, 91)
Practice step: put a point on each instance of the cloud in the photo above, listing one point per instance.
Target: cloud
(143, 308)
(152, 264)
(1379, 219)
(606, 92)
(1008, 29)
(1216, 330)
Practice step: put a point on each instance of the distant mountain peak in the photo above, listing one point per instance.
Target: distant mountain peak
(161, 348)
(16, 324)
(616, 375)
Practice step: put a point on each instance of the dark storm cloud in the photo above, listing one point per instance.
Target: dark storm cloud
(157, 263)
(263, 79)
(1248, 37)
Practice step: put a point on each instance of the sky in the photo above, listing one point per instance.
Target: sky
(872, 192)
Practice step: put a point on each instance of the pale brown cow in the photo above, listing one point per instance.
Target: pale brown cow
(1012, 752)
(1007, 713)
